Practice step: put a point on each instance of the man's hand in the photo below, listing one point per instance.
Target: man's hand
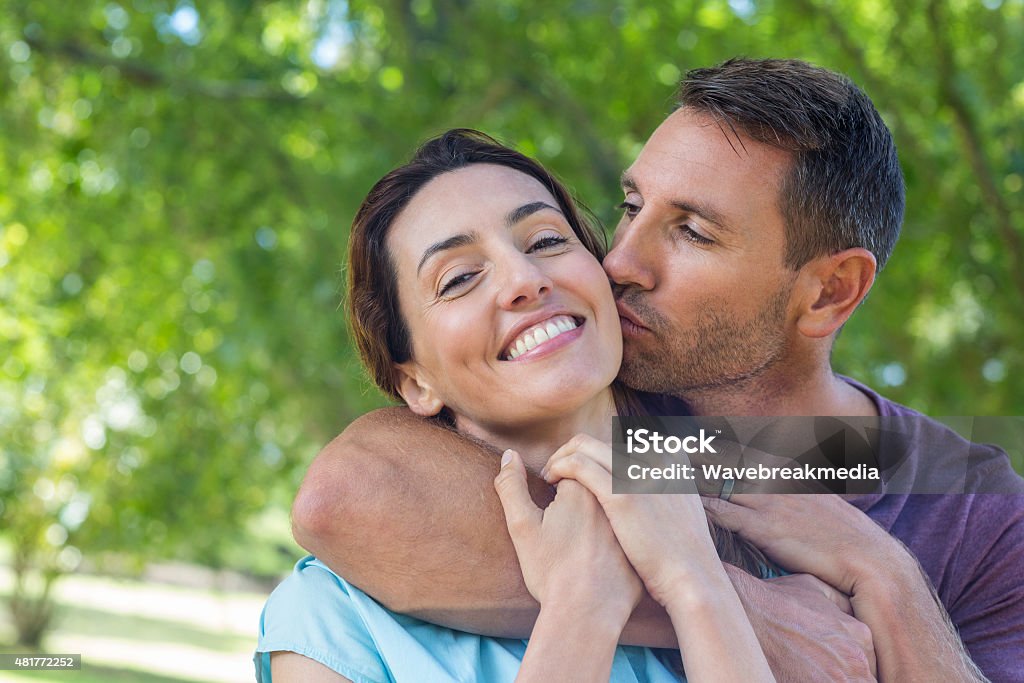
(805, 628)
(825, 536)
(821, 535)
(408, 512)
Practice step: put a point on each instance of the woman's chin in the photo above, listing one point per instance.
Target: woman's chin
(563, 393)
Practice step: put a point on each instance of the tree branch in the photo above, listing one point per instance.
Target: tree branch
(871, 81)
(151, 77)
(606, 164)
(962, 114)
(967, 124)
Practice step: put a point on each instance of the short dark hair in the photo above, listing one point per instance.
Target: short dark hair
(844, 188)
(380, 331)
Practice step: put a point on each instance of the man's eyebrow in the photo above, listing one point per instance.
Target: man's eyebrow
(627, 182)
(701, 209)
(453, 242)
(706, 212)
(525, 211)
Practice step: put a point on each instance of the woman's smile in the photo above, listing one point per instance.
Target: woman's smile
(539, 339)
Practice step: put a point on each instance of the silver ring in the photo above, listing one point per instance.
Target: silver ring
(727, 488)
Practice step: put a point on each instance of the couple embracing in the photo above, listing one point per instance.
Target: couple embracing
(481, 518)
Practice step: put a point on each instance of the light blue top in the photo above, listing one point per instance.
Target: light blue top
(316, 613)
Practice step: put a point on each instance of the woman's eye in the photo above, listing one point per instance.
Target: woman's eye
(629, 208)
(455, 283)
(692, 235)
(547, 243)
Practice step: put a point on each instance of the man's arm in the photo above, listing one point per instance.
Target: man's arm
(915, 639)
(406, 510)
(824, 535)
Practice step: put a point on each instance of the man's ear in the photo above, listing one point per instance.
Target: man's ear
(416, 390)
(831, 289)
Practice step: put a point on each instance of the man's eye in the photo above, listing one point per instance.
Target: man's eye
(691, 235)
(629, 208)
(455, 283)
(547, 243)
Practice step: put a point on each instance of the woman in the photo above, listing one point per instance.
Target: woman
(477, 296)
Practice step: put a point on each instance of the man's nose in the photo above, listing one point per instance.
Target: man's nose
(628, 263)
(523, 282)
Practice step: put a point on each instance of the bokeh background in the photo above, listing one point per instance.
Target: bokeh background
(176, 185)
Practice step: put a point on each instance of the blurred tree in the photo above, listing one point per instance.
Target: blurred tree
(177, 180)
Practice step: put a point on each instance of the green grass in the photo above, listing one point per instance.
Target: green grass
(144, 632)
(89, 673)
(138, 628)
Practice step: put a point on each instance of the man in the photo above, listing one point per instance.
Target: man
(755, 219)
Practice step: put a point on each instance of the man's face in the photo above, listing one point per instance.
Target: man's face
(697, 262)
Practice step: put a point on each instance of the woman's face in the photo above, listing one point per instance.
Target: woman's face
(511, 318)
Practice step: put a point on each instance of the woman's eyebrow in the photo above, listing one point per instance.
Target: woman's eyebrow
(453, 242)
(525, 211)
(461, 240)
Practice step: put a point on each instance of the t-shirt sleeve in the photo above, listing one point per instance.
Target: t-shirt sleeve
(990, 610)
(311, 613)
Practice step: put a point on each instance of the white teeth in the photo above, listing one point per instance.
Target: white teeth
(541, 333)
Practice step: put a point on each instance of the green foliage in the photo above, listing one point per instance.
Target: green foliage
(176, 183)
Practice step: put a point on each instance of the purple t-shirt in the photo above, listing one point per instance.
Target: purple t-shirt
(971, 545)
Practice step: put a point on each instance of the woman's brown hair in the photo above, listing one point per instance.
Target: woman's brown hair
(380, 331)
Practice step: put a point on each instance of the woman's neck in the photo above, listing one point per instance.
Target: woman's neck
(538, 439)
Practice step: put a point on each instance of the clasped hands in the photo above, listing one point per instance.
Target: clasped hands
(572, 555)
(571, 543)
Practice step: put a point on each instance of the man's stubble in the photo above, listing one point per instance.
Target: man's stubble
(716, 352)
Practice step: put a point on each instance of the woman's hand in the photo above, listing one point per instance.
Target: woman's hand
(666, 538)
(574, 567)
(568, 553)
(642, 523)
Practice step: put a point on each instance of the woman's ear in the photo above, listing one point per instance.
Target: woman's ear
(831, 289)
(416, 390)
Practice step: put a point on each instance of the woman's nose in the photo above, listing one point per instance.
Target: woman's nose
(523, 282)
